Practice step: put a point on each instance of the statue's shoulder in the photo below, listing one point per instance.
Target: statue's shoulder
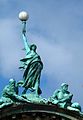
(6, 87)
(57, 91)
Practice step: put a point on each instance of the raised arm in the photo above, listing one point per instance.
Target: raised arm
(26, 46)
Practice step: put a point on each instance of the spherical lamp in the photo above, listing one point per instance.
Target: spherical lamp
(23, 16)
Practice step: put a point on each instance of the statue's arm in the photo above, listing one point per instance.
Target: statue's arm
(54, 96)
(9, 93)
(25, 38)
(67, 98)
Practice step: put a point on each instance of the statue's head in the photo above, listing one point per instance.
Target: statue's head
(64, 86)
(12, 82)
(33, 47)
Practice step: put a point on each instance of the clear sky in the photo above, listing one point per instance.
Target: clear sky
(56, 27)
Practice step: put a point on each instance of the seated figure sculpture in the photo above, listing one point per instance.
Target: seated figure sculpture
(10, 94)
(61, 97)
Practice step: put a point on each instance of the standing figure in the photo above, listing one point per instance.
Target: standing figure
(32, 66)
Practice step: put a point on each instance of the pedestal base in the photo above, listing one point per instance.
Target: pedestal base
(31, 111)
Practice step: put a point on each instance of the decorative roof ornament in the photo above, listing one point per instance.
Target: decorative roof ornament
(23, 16)
(32, 66)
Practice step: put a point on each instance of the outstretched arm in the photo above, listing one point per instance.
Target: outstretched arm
(25, 38)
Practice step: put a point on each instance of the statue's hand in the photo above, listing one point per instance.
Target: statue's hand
(24, 27)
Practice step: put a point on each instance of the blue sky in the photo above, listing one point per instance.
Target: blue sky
(56, 27)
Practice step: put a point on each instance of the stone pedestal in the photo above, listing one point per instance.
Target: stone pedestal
(31, 111)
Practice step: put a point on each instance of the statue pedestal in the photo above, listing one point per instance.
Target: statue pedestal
(31, 111)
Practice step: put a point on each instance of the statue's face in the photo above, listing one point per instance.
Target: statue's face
(65, 87)
(12, 82)
(33, 47)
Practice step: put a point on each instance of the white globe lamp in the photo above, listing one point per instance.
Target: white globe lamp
(23, 16)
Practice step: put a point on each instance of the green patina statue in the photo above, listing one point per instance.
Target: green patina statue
(10, 94)
(32, 66)
(61, 97)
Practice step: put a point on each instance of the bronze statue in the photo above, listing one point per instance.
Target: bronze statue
(61, 97)
(10, 94)
(32, 66)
